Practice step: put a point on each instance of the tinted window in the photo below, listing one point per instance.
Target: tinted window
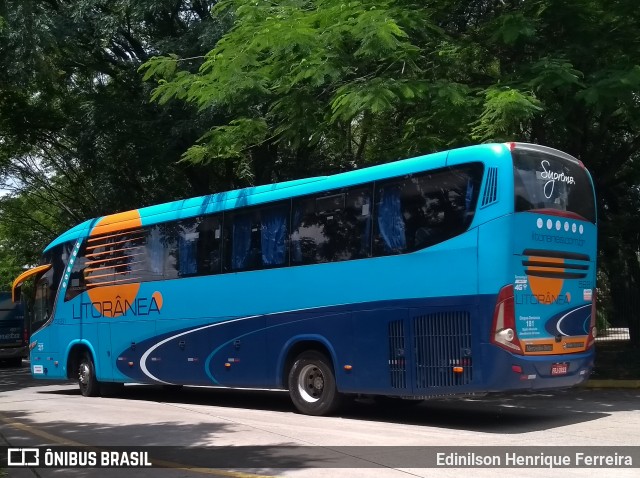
(158, 255)
(114, 259)
(12, 322)
(77, 284)
(47, 285)
(165, 251)
(424, 209)
(257, 238)
(544, 181)
(209, 246)
(10, 311)
(189, 247)
(331, 227)
(122, 258)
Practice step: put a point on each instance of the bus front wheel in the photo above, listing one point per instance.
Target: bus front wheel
(312, 384)
(89, 385)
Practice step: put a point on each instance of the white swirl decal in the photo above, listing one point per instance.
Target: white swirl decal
(551, 177)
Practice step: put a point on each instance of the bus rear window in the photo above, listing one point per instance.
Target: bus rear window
(545, 181)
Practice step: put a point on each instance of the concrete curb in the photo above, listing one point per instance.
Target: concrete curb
(612, 384)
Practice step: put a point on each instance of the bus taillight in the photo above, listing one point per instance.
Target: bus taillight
(504, 322)
(593, 332)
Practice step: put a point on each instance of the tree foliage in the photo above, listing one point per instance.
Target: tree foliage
(252, 91)
(322, 76)
(78, 136)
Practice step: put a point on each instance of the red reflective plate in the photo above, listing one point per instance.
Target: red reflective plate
(559, 368)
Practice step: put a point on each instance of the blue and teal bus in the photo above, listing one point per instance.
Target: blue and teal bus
(456, 273)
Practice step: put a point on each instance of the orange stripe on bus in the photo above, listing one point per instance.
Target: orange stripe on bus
(117, 222)
(545, 269)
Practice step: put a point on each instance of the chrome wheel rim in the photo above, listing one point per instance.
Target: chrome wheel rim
(85, 374)
(311, 383)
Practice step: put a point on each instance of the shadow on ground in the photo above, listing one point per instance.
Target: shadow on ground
(494, 414)
(498, 414)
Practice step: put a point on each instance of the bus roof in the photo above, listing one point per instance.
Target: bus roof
(217, 202)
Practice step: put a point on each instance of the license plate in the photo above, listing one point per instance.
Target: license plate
(559, 369)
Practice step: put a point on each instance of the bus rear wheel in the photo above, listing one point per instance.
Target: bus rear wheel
(312, 384)
(89, 385)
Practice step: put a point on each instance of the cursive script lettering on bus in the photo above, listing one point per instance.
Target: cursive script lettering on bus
(142, 306)
(551, 177)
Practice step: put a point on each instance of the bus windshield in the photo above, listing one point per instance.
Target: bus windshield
(544, 181)
(47, 284)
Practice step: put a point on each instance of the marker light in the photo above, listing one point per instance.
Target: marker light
(458, 369)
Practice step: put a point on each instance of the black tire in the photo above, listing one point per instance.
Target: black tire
(87, 380)
(312, 384)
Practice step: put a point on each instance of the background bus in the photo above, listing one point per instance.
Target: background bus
(13, 331)
(462, 272)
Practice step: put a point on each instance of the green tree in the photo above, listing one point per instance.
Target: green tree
(77, 132)
(311, 86)
(317, 85)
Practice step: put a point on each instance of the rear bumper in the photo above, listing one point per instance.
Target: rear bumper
(517, 372)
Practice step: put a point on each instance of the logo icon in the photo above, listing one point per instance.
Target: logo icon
(23, 457)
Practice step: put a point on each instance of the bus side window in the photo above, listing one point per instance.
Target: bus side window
(274, 235)
(438, 221)
(425, 209)
(242, 242)
(331, 227)
(187, 247)
(257, 238)
(209, 245)
(157, 256)
(390, 221)
(358, 218)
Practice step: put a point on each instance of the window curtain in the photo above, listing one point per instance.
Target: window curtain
(273, 237)
(187, 255)
(390, 221)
